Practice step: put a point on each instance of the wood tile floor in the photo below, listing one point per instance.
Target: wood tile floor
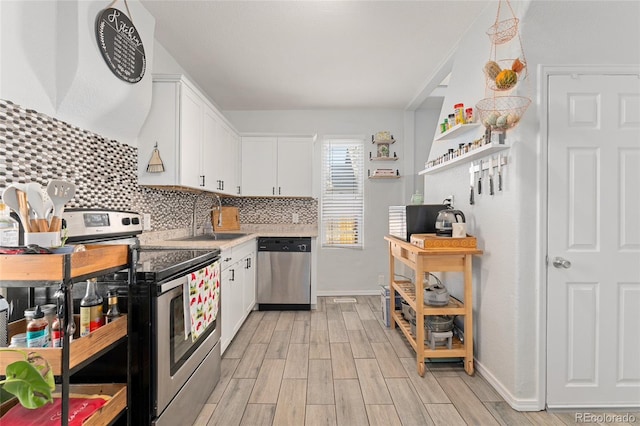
(339, 365)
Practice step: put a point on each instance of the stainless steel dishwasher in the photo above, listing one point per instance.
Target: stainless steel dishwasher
(284, 273)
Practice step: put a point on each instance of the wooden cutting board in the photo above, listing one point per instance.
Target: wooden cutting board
(230, 219)
(432, 241)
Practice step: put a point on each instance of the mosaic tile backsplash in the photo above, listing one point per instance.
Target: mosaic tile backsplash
(36, 148)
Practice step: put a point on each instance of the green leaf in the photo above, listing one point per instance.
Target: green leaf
(25, 382)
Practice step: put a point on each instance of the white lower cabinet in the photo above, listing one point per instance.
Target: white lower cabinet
(238, 288)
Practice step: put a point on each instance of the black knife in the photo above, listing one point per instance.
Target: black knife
(480, 179)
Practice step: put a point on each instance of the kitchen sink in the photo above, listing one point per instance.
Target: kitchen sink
(213, 237)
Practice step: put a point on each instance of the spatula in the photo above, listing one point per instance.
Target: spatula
(11, 197)
(60, 193)
(34, 194)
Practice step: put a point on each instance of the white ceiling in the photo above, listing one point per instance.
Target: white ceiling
(257, 55)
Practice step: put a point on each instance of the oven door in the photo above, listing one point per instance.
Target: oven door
(178, 352)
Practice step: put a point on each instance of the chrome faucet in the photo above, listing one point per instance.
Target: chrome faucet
(219, 210)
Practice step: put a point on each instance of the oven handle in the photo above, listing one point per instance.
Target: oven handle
(173, 284)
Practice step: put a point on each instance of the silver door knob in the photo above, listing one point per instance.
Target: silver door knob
(559, 262)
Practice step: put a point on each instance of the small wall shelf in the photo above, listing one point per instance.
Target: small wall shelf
(456, 131)
(383, 158)
(474, 154)
(384, 177)
(387, 141)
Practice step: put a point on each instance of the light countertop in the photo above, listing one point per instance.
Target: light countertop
(164, 239)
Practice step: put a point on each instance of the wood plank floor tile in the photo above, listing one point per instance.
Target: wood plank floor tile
(388, 360)
(468, 405)
(251, 361)
(320, 415)
(303, 315)
(444, 415)
(230, 409)
(399, 343)
(364, 312)
(244, 336)
(374, 331)
(290, 409)
(342, 361)
(543, 418)
(297, 364)
(205, 415)
(505, 415)
(268, 382)
(318, 320)
(372, 384)
(480, 387)
(258, 415)
(350, 409)
(337, 331)
(279, 344)
(428, 388)
(300, 331)
(383, 415)
(285, 320)
(227, 368)
(320, 383)
(352, 321)
(409, 407)
(319, 344)
(264, 332)
(444, 369)
(360, 345)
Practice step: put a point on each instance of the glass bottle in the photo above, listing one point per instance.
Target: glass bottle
(56, 333)
(90, 309)
(37, 330)
(113, 312)
(9, 228)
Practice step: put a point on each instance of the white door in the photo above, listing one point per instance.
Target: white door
(593, 322)
(294, 166)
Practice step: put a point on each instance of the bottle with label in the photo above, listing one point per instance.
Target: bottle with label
(90, 309)
(9, 228)
(37, 330)
(56, 333)
(114, 311)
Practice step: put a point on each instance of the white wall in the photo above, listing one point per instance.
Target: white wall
(506, 280)
(50, 62)
(345, 271)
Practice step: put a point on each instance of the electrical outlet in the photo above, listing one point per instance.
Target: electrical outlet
(146, 222)
(381, 279)
(448, 200)
(295, 218)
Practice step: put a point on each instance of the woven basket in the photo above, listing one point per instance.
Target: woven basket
(506, 64)
(503, 31)
(502, 112)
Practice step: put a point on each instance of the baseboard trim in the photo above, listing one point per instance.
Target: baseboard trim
(515, 403)
(348, 293)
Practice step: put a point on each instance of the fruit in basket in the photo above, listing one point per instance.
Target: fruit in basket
(501, 121)
(517, 66)
(511, 119)
(506, 79)
(492, 69)
(491, 119)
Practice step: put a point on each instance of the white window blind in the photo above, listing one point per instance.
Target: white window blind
(342, 202)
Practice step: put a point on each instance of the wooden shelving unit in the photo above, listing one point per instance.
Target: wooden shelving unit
(432, 260)
(63, 270)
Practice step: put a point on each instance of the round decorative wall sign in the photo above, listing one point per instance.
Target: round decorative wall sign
(120, 45)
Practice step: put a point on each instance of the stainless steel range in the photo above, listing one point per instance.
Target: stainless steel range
(174, 318)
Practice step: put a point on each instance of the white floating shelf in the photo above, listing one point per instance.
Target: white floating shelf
(474, 154)
(384, 177)
(384, 158)
(456, 131)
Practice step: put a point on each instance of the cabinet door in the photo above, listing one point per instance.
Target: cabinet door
(259, 166)
(226, 301)
(191, 116)
(236, 295)
(229, 154)
(212, 160)
(294, 166)
(249, 283)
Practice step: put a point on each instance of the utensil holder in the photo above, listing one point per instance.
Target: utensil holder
(43, 239)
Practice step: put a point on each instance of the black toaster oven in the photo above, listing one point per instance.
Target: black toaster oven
(413, 219)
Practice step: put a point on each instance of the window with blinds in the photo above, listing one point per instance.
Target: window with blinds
(342, 198)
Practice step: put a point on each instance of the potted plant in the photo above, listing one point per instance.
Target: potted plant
(30, 380)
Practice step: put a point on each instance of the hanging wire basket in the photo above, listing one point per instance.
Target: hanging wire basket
(490, 72)
(502, 112)
(503, 31)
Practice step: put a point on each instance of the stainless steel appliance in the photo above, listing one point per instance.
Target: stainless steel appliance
(284, 273)
(413, 219)
(170, 373)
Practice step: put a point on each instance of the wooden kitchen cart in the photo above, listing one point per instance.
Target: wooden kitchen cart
(62, 270)
(432, 260)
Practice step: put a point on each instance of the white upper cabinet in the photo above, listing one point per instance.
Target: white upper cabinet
(277, 166)
(198, 147)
